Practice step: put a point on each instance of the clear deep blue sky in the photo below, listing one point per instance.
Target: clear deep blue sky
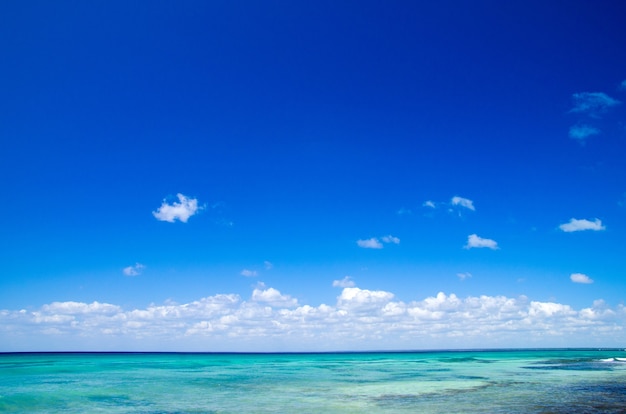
(360, 155)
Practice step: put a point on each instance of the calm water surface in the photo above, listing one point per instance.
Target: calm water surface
(537, 381)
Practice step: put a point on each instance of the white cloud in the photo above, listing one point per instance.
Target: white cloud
(592, 103)
(452, 205)
(375, 243)
(581, 225)
(273, 297)
(133, 270)
(344, 283)
(181, 210)
(582, 132)
(249, 273)
(463, 202)
(473, 241)
(464, 275)
(268, 265)
(359, 299)
(580, 278)
(541, 310)
(390, 239)
(372, 243)
(360, 319)
(76, 308)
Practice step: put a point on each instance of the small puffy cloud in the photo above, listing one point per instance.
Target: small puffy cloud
(133, 270)
(249, 273)
(592, 103)
(181, 210)
(391, 239)
(473, 241)
(582, 132)
(581, 225)
(372, 243)
(346, 282)
(463, 202)
(429, 204)
(375, 243)
(464, 275)
(580, 278)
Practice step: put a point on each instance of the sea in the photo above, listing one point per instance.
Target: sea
(475, 381)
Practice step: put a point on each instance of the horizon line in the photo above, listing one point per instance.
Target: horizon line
(397, 351)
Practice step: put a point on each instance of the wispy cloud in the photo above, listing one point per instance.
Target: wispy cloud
(455, 205)
(390, 239)
(181, 210)
(268, 265)
(403, 211)
(581, 225)
(134, 270)
(271, 320)
(249, 273)
(463, 202)
(582, 132)
(372, 243)
(224, 222)
(622, 86)
(580, 278)
(592, 103)
(473, 241)
(464, 275)
(376, 243)
(344, 283)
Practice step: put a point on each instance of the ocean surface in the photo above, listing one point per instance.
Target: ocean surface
(504, 381)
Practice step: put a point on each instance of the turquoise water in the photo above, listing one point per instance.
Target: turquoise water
(544, 381)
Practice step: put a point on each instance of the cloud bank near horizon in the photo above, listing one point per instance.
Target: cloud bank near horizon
(270, 320)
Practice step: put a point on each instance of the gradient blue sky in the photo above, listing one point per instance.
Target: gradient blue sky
(339, 164)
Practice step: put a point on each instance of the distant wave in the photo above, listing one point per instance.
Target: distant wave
(615, 359)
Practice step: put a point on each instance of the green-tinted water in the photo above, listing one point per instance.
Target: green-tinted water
(556, 381)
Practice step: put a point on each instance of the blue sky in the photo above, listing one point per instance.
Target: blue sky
(312, 175)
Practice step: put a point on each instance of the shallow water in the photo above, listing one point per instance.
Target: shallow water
(520, 381)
